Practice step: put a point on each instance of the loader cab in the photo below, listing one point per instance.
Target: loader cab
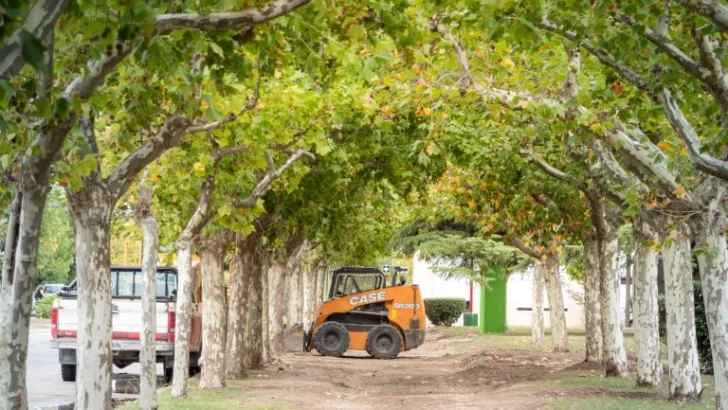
(350, 280)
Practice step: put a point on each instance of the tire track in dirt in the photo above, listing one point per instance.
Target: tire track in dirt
(433, 376)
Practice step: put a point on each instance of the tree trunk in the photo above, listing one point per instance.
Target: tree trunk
(615, 356)
(254, 262)
(276, 308)
(214, 316)
(714, 281)
(184, 309)
(628, 291)
(239, 289)
(265, 313)
(592, 307)
(310, 275)
(24, 229)
(537, 330)
(296, 255)
(321, 292)
(557, 315)
(148, 354)
(91, 213)
(295, 300)
(682, 352)
(646, 312)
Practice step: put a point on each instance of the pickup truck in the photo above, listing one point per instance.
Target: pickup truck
(126, 288)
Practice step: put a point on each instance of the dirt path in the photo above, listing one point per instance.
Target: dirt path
(435, 376)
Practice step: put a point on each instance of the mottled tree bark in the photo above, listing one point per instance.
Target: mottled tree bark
(19, 271)
(214, 317)
(537, 328)
(276, 308)
(321, 291)
(184, 309)
(646, 320)
(148, 352)
(682, 352)
(91, 208)
(592, 307)
(713, 262)
(265, 312)
(557, 316)
(255, 260)
(239, 290)
(615, 356)
(297, 252)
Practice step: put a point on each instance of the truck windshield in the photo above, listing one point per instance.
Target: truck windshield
(128, 283)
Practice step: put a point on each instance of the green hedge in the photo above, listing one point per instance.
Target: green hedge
(444, 311)
(43, 307)
(701, 328)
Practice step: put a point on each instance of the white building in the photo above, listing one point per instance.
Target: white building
(518, 294)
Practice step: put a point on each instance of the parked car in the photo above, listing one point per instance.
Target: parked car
(126, 328)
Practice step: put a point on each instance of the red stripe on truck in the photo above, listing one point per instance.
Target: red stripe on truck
(54, 322)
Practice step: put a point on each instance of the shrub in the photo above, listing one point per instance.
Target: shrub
(701, 328)
(444, 311)
(43, 307)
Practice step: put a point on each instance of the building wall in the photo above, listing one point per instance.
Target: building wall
(519, 300)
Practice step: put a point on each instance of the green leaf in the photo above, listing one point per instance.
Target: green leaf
(32, 50)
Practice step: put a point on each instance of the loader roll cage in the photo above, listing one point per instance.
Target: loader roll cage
(350, 280)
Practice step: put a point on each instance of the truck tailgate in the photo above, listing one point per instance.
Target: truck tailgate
(126, 318)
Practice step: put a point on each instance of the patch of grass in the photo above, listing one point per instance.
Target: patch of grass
(517, 338)
(469, 338)
(620, 387)
(234, 397)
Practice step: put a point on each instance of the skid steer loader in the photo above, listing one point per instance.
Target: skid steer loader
(363, 312)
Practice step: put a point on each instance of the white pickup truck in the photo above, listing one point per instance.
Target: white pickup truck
(126, 288)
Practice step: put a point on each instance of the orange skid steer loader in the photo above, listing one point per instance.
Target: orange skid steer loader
(363, 313)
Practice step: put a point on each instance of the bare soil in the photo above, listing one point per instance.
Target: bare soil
(434, 376)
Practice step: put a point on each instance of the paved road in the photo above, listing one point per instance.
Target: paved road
(45, 386)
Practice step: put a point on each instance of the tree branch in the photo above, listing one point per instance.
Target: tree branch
(211, 126)
(710, 9)
(269, 161)
(83, 87)
(296, 137)
(238, 21)
(491, 94)
(518, 243)
(680, 124)
(603, 56)
(168, 136)
(265, 183)
(708, 71)
(571, 83)
(202, 213)
(554, 172)
(663, 23)
(39, 22)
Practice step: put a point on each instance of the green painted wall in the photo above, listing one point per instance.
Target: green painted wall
(493, 306)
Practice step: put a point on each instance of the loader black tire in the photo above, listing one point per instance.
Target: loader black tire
(332, 339)
(384, 342)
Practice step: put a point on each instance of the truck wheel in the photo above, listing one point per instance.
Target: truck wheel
(168, 374)
(68, 372)
(384, 342)
(332, 339)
